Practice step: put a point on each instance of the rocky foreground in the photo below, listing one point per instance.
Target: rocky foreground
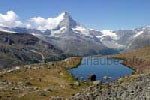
(139, 89)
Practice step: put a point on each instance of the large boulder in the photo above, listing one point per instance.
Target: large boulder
(92, 77)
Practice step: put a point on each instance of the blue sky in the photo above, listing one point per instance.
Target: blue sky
(97, 14)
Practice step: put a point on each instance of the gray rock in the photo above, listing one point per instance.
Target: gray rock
(96, 82)
(77, 83)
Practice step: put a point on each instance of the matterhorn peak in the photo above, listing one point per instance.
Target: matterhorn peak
(65, 14)
(67, 20)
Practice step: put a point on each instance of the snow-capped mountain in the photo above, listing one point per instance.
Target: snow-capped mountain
(66, 34)
(72, 37)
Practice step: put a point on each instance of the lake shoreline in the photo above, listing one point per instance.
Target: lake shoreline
(87, 64)
(61, 68)
(132, 87)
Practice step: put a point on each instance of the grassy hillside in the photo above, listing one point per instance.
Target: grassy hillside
(40, 81)
(138, 59)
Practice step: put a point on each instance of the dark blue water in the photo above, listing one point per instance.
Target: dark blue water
(101, 67)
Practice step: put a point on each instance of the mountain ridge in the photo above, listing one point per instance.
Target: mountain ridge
(66, 28)
(23, 48)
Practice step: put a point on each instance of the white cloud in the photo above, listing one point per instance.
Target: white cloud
(45, 23)
(38, 23)
(10, 19)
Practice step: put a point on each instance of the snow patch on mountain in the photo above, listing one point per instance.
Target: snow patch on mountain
(109, 33)
(138, 34)
(81, 30)
(113, 44)
(58, 32)
(5, 29)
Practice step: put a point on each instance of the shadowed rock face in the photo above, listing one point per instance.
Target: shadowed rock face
(22, 48)
(78, 45)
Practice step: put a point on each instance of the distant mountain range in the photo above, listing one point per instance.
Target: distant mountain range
(75, 39)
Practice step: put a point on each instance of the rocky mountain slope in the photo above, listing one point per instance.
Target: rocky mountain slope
(141, 39)
(22, 48)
